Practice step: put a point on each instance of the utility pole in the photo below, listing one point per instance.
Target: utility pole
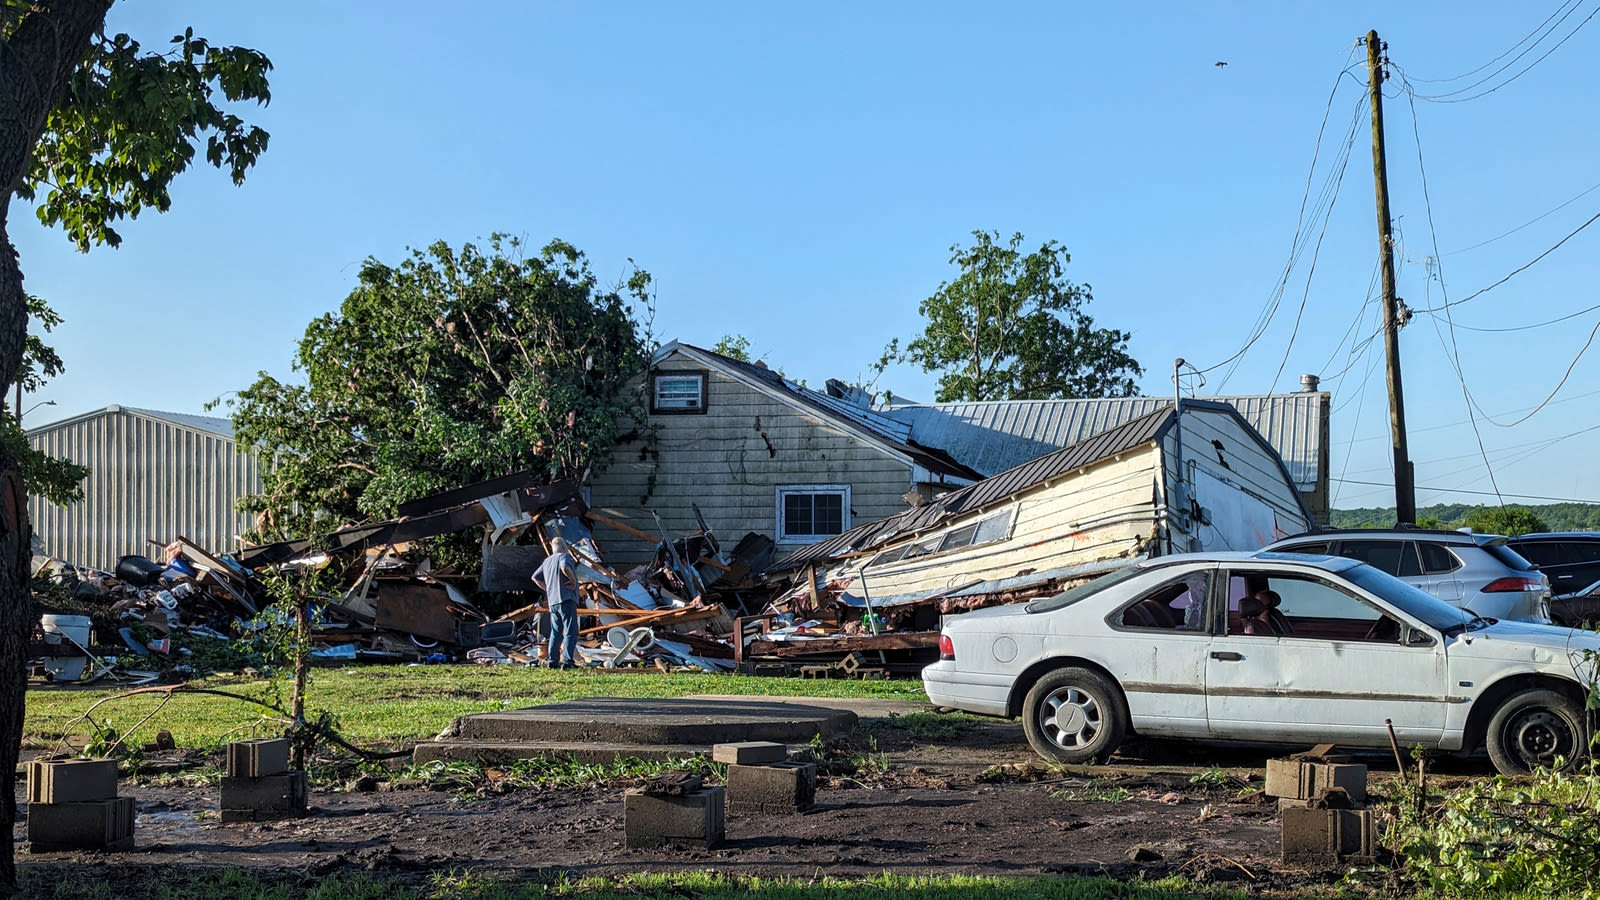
(1405, 497)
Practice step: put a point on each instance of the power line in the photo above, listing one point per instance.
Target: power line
(1264, 318)
(1384, 437)
(1503, 55)
(1587, 192)
(1476, 493)
(1454, 351)
(1517, 271)
(1450, 96)
(1528, 327)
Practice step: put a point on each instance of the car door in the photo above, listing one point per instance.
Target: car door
(1162, 664)
(1345, 668)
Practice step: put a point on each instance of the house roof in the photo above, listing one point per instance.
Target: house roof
(211, 424)
(994, 436)
(891, 434)
(990, 491)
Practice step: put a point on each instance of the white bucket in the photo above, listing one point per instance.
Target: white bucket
(74, 628)
(68, 668)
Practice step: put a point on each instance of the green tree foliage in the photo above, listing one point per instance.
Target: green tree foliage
(451, 368)
(58, 480)
(1546, 517)
(98, 128)
(733, 346)
(1506, 520)
(1011, 326)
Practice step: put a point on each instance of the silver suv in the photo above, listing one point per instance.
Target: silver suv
(1476, 572)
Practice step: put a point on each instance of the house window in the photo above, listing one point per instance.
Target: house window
(811, 512)
(678, 392)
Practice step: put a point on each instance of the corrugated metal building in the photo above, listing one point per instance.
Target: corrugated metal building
(153, 476)
(997, 435)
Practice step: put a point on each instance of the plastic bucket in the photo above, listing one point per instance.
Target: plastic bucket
(66, 668)
(74, 628)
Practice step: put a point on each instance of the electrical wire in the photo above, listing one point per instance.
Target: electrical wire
(1450, 96)
(1503, 55)
(1532, 326)
(1453, 352)
(1264, 318)
(1531, 221)
(1478, 493)
(1517, 271)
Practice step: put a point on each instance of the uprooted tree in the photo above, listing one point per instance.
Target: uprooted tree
(93, 128)
(1011, 326)
(456, 366)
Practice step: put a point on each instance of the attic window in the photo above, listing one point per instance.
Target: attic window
(808, 513)
(678, 393)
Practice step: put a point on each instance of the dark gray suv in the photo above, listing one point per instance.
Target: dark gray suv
(1478, 572)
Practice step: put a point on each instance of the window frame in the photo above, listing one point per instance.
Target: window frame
(785, 490)
(656, 409)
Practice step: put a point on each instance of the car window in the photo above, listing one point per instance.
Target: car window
(1437, 559)
(1177, 605)
(1541, 554)
(1398, 558)
(1582, 551)
(1507, 556)
(1318, 548)
(1311, 608)
(1425, 607)
(1089, 588)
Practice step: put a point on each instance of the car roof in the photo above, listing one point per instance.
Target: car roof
(1557, 535)
(1330, 563)
(1462, 537)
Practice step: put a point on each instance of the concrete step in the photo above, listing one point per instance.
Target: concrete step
(631, 721)
(588, 752)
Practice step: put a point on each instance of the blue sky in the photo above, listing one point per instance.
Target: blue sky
(797, 172)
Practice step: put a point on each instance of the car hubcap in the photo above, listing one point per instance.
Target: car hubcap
(1070, 718)
(1541, 736)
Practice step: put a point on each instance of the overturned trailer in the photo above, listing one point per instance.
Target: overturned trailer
(1179, 479)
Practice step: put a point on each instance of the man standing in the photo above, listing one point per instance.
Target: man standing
(558, 577)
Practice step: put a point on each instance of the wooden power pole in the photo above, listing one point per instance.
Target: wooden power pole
(1405, 497)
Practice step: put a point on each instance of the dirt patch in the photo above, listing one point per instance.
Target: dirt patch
(975, 801)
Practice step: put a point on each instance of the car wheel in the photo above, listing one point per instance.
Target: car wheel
(1074, 716)
(1532, 729)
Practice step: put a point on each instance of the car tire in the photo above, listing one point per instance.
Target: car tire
(1532, 728)
(1074, 716)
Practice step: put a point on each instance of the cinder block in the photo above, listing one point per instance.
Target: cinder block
(1327, 836)
(272, 797)
(258, 759)
(72, 780)
(749, 753)
(92, 825)
(781, 788)
(653, 821)
(1299, 780)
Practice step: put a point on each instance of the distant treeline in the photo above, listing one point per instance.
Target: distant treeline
(1555, 516)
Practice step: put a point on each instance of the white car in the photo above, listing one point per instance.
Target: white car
(1269, 647)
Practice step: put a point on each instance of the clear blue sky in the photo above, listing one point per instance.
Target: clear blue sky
(797, 172)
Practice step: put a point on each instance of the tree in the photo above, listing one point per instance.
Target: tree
(733, 346)
(58, 480)
(99, 128)
(454, 367)
(1507, 520)
(1012, 327)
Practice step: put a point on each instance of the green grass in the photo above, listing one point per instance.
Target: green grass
(387, 705)
(89, 882)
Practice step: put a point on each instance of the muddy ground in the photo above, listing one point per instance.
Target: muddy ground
(973, 803)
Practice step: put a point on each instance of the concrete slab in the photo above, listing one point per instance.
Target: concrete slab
(684, 720)
(594, 753)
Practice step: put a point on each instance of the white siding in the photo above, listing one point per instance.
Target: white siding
(149, 480)
(1249, 465)
(730, 460)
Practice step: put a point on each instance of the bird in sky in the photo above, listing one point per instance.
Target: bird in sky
(1221, 64)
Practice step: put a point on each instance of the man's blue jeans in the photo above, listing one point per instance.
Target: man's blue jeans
(563, 634)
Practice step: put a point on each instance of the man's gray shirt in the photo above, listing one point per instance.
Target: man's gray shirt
(560, 581)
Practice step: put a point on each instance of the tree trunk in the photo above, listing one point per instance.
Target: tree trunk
(36, 59)
(302, 669)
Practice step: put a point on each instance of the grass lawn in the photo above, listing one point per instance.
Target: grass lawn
(387, 705)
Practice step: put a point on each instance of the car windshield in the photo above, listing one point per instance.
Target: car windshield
(1069, 597)
(1424, 606)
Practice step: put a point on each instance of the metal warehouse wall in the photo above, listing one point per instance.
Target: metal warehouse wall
(149, 480)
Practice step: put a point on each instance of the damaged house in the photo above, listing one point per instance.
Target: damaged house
(1172, 480)
(757, 454)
